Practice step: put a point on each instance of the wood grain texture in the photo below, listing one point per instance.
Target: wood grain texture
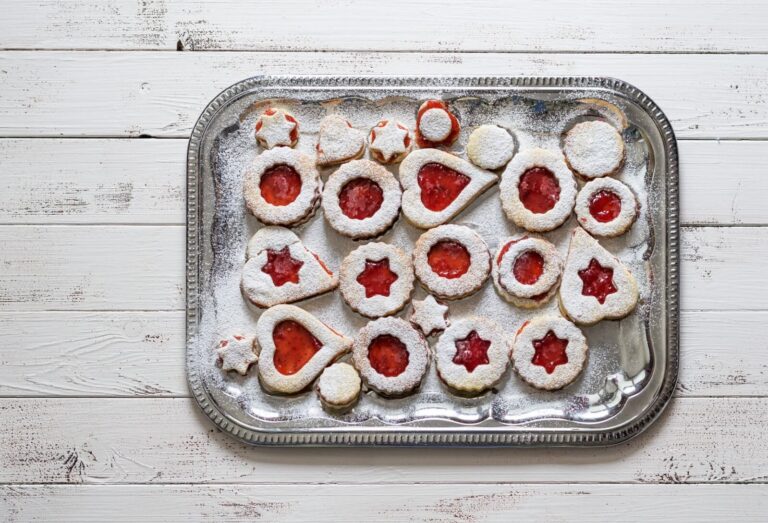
(162, 94)
(706, 440)
(122, 181)
(485, 25)
(456, 503)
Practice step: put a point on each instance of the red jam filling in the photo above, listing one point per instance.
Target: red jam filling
(550, 352)
(440, 185)
(528, 267)
(294, 346)
(280, 185)
(598, 281)
(388, 355)
(294, 134)
(455, 127)
(605, 206)
(472, 351)
(282, 267)
(360, 198)
(377, 278)
(539, 190)
(449, 259)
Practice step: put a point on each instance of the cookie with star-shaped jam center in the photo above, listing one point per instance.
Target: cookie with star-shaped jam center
(237, 352)
(389, 141)
(277, 127)
(429, 316)
(526, 271)
(606, 207)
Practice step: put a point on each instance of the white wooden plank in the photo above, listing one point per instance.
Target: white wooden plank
(123, 181)
(156, 93)
(170, 441)
(457, 503)
(92, 181)
(644, 26)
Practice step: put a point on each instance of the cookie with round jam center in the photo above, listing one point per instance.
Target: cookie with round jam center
(449, 259)
(528, 267)
(360, 198)
(280, 185)
(388, 355)
(539, 190)
(605, 206)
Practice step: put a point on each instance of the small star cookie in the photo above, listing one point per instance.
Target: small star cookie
(389, 141)
(277, 127)
(429, 315)
(237, 353)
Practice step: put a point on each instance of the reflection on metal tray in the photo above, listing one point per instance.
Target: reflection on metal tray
(633, 363)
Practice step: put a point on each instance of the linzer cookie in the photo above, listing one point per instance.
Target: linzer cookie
(537, 190)
(490, 147)
(295, 348)
(437, 186)
(594, 149)
(549, 352)
(451, 261)
(282, 187)
(596, 285)
(339, 387)
(472, 355)
(389, 141)
(392, 356)
(436, 126)
(429, 316)
(238, 353)
(376, 279)
(338, 141)
(526, 271)
(606, 207)
(361, 199)
(280, 269)
(277, 127)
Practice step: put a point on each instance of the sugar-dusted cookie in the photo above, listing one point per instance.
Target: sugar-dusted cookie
(429, 316)
(537, 190)
(451, 261)
(606, 207)
(280, 269)
(282, 187)
(392, 356)
(490, 147)
(596, 285)
(526, 271)
(376, 279)
(338, 141)
(277, 127)
(594, 149)
(361, 199)
(339, 387)
(389, 141)
(436, 125)
(437, 186)
(295, 348)
(549, 352)
(238, 353)
(472, 355)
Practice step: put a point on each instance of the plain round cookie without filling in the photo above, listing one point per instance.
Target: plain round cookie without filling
(593, 149)
(490, 147)
(338, 387)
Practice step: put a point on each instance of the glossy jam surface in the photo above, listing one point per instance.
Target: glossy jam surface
(377, 278)
(388, 355)
(472, 351)
(282, 267)
(455, 127)
(294, 346)
(440, 185)
(550, 352)
(360, 198)
(539, 190)
(598, 281)
(528, 267)
(605, 206)
(280, 185)
(449, 259)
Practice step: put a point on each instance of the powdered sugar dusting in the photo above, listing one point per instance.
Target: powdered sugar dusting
(593, 149)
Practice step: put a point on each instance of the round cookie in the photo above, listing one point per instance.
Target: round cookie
(389, 141)
(436, 126)
(338, 388)
(490, 147)
(527, 271)
(593, 149)
(277, 127)
(606, 207)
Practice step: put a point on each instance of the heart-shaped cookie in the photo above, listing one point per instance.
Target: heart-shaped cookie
(295, 348)
(280, 269)
(438, 186)
(596, 285)
(338, 141)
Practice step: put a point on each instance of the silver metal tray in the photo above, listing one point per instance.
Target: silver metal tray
(633, 362)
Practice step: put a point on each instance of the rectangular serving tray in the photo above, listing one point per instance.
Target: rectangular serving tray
(633, 363)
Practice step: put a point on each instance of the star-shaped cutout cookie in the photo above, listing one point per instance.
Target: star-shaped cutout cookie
(377, 278)
(390, 141)
(429, 315)
(277, 127)
(237, 353)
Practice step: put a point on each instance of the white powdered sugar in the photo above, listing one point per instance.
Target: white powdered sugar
(338, 141)
(389, 141)
(480, 378)
(302, 207)
(490, 147)
(594, 149)
(277, 127)
(435, 125)
(429, 316)
(550, 276)
(354, 292)
(510, 192)
(619, 225)
(339, 386)
(238, 353)
(523, 352)
(371, 226)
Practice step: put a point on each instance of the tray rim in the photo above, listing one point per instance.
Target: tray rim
(466, 437)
